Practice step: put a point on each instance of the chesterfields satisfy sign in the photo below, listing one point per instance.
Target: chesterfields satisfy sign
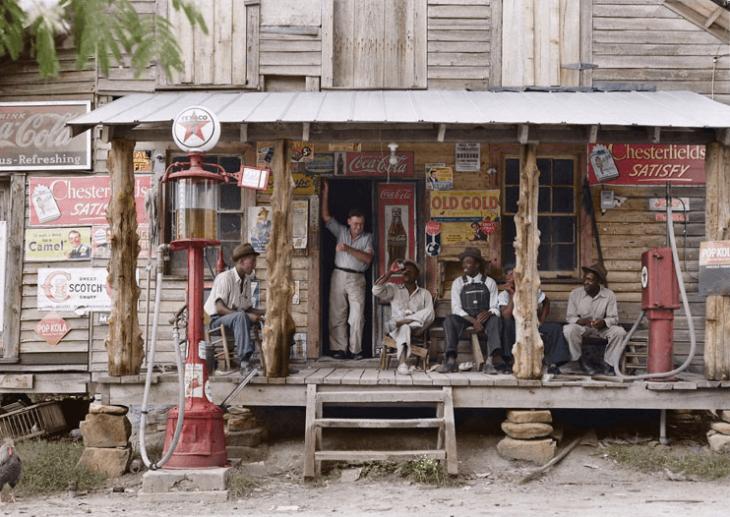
(34, 136)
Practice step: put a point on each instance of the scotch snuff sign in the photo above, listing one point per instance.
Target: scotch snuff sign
(196, 129)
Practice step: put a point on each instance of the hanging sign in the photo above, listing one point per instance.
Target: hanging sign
(52, 328)
(646, 164)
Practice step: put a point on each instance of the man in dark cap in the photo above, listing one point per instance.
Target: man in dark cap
(474, 303)
(593, 312)
(230, 304)
(411, 308)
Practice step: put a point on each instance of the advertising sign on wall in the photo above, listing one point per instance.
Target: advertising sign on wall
(54, 244)
(373, 163)
(73, 289)
(396, 213)
(33, 136)
(78, 200)
(465, 215)
(646, 164)
(714, 268)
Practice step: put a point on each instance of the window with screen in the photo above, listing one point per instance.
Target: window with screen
(229, 217)
(557, 213)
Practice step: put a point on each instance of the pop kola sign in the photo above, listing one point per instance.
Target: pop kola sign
(34, 136)
(82, 200)
(73, 289)
(646, 164)
(52, 328)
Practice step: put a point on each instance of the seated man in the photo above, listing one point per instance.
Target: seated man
(411, 308)
(230, 304)
(474, 302)
(593, 312)
(556, 348)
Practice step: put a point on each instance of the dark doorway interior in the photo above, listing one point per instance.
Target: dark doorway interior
(344, 195)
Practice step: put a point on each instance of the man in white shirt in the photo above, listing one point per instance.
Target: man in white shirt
(230, 305)
(474, 303)
(411, 308)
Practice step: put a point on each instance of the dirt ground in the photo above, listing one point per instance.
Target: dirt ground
(585, 483)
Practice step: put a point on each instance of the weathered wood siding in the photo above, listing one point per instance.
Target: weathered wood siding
(459, 44)
(540, 37)
(643, 41)
(225, 57)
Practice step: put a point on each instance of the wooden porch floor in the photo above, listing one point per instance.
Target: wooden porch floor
(470, 389)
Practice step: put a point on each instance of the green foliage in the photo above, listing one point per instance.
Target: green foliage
(704, 465)
(49, 466)
(104, 30)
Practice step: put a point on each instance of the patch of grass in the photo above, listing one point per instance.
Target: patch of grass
(48, 466)
(426, 471)
(240, 484)
(703, 465)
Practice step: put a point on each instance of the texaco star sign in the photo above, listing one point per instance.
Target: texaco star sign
(196, 129)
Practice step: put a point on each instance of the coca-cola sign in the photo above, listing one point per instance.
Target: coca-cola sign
(34, 136)
(376, 163)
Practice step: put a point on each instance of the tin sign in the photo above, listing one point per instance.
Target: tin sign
(646, 164)
(52, 328)
(34, 136)
(73, 289)
(196, 129)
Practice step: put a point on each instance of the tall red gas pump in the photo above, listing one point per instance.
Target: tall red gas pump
(659, 299)
(195, 197)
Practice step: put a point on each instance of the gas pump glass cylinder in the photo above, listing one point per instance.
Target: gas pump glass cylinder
(196, 206)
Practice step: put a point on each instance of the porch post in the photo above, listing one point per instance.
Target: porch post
(279, 327)
(717, 218)
(124, 341)
(528, 349)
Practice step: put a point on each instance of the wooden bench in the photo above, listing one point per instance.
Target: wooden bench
(315, 422)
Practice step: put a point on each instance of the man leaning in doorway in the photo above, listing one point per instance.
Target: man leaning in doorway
(593, 312)
(230, 303)
(354, 253)
(474, 303)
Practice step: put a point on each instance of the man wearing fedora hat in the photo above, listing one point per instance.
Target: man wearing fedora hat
(411, 308)
(230, 305)
(593, 313)
(474, 303)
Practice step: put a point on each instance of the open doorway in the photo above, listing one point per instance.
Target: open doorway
(344, 195)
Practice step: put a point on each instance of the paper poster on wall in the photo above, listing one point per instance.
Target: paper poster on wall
(56, 244)
(300, 218)
(439, 176)
(73, 289)
(299, 349)
(465, 215)
(101, 242)
(296, 297)
(259, 227)
(3, 253)
(467, 157)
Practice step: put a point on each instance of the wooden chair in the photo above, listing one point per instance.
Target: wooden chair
(218, 339)
(390, 350)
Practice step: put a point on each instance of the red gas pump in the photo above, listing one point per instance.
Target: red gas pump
(195, 191)
(659, 299)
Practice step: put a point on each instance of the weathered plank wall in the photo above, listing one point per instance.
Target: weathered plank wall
(459, 44)
(643, 41)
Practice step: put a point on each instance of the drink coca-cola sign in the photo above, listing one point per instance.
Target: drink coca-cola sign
(34, 136)
(377, 163)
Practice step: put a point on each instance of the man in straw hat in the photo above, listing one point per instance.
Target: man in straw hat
(593, 313)
(230, 305)
(411, 308)
(474, 303)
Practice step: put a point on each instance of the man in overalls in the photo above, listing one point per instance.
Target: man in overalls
(474, 303)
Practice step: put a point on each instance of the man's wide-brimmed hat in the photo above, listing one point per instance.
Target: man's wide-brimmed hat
(242, 250)
(598, 270)
(408, 262)
(473, 253)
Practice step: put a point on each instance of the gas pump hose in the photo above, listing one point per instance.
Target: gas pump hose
(162, 251)
(685, 305)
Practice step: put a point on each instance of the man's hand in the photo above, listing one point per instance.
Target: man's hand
(342, 247)
(598, 323)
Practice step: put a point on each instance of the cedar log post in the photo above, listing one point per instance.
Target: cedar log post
(528, 349)
(279, 327)
(717, 228)
(124, 341)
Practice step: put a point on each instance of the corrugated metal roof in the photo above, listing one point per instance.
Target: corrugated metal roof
(676, 109)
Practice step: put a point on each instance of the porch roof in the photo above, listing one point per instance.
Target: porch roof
(427, 115)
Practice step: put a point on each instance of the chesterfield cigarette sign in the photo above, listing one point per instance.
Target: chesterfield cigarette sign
(34, 136)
